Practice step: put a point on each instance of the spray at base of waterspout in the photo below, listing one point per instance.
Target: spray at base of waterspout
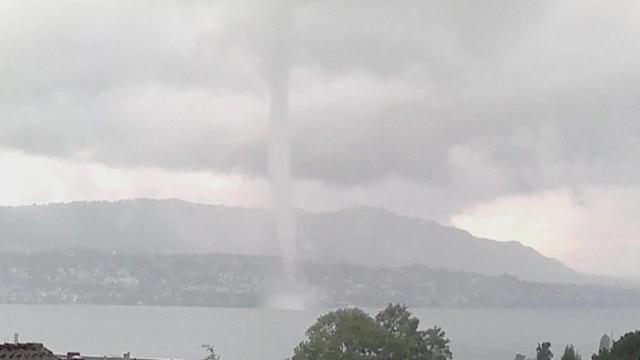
(295, 298)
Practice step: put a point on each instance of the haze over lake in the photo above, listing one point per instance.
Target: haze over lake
(258, 334)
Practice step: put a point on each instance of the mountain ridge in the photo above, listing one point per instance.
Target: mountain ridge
(358, 235)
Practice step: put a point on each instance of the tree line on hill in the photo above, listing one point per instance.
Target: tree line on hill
(93, 277)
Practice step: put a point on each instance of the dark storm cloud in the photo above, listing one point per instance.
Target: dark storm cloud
(539, 94)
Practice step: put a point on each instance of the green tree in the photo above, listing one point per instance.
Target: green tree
(626, 348)
(570, 353)
(520, 357)
(437, 344)
(403, 338)
(543, 351)
(211, 352)
(406, 341)
(344, 334)
(604, 348)
(605, 342)
(603, 354)
(398, 320)
(351, 334)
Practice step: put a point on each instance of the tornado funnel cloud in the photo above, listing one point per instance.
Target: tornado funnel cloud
(277, 74)
(280, 175)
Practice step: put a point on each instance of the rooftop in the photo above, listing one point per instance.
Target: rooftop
(25, 351)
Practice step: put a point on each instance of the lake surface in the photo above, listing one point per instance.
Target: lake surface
(261, 334)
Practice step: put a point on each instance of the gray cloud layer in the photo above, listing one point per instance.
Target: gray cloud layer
(514, 95)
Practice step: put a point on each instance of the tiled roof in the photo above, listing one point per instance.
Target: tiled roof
(30, 351)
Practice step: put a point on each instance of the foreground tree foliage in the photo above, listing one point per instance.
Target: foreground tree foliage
(351, 334)
(570, 353)
(603, 354)
(543, 351)
(626, 348)
(603, 349)
(211, 352)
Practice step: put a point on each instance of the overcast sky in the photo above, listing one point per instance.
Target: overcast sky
(515, 120)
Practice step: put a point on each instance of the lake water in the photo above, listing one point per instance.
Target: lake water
(262, 334)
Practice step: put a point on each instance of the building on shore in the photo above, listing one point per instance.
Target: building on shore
(78, 356)
(37, 351)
